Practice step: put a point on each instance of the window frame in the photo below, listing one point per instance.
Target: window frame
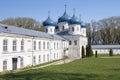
(34, 45)
(14, 46)
(70, 42)
(4, 65)
(75, 42)
(73, 29)
(5, 45)
(22, 45)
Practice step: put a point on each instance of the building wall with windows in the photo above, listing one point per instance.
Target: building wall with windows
(21, 50)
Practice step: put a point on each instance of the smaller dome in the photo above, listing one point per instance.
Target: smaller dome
(75, 20)
(49, 22)
(83, 25)
(64, 18)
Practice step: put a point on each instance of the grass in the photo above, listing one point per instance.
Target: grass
(84, 69)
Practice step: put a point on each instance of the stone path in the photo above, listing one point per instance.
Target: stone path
(54, 63)
(57, 62)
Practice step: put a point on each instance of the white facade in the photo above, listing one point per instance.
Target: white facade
(35, 50)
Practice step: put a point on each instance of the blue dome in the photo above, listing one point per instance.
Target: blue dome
(64, 18)
(75, 20)
(83, 25)
(49, 22)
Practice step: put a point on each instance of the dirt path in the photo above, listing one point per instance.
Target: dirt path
(54, 63)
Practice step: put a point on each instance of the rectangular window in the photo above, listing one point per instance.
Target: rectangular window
(70, 42)
(44, 45)
(44, 58)
(72, 28)
(39, 45)
(14, 45)
(21, 62)
(34, 45)
(5, 45)
(22, 45)
(63, 28)
(5, 65)
(75, 42)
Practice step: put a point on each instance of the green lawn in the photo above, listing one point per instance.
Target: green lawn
(84, 69)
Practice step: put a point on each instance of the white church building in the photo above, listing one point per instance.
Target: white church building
(21, 47)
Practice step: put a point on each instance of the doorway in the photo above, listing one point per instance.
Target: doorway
(14, 63)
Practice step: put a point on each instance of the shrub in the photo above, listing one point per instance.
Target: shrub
(96, 55)
(83, 52)
(111, 52)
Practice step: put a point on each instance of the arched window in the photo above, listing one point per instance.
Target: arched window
(63, 28)
(72, 28)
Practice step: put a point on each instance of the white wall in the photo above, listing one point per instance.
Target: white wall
(54, 52)
(106, 51)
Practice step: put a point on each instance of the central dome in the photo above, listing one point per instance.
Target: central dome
(49, 22)
(64, 18)
(75, 20)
